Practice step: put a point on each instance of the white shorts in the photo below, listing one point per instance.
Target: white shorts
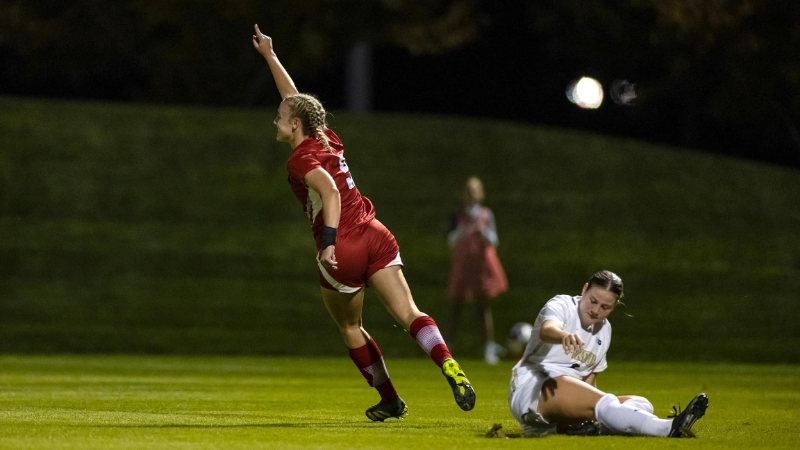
(523, 399)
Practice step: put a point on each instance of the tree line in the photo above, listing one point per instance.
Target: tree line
(717, 73)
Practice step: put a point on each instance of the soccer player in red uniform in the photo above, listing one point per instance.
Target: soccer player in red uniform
(355, 250)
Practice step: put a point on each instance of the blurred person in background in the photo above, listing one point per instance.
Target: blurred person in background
(553, 388)
(476, 275)
(354, 250)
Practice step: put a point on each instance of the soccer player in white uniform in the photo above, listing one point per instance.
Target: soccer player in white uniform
(553, 386)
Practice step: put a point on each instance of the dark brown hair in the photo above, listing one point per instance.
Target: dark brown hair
(609, 281)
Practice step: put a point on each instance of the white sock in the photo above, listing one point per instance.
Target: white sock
(641, 403)
(629, 421)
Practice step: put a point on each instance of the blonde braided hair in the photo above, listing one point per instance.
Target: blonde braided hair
(312, 116)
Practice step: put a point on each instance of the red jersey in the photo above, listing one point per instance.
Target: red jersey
(310, 154)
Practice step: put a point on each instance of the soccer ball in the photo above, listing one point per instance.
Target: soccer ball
(518, 338)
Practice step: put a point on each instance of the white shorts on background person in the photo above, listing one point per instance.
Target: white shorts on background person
(523, 399)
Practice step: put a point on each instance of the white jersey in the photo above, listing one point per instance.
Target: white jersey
(550, 359)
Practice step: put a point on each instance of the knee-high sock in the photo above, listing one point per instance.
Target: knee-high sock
(369, 361)
(640, 403)
(626, 420)
(426, 333)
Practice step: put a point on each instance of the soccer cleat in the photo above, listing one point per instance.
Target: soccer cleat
(382, 411)
(683, 421)
(462, 390)
(585, 428)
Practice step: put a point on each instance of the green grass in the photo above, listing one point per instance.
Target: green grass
(162, 229)
(147, 402)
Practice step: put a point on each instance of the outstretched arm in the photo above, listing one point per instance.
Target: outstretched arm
(553, 333)
(283, 81)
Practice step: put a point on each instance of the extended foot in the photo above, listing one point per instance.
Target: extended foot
(683, 421)
(462, 390)
(396, 409)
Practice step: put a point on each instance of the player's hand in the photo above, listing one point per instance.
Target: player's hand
(571, 343)
(262, 43)
(328, 257)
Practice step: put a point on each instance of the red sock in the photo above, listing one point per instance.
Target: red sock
(369, 361)
(426, 333)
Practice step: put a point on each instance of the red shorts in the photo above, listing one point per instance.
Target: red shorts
(359, 254)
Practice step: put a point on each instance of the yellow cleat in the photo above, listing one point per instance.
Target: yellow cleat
(462, 390)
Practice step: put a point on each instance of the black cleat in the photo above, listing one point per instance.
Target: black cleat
(462, 390)
(585, 428)
(396, 409)
(683, 421)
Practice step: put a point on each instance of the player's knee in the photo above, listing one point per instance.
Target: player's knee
(640, 403)
(347, 328)
(353, 336)
(409, 316)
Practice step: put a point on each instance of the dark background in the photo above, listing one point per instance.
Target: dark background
(143, 201)
(722, 76)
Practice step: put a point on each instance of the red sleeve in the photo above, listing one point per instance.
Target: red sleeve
(300, 163)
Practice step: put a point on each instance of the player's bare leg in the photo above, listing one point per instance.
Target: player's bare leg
(393, 291)
(345, 310)
(565, 399)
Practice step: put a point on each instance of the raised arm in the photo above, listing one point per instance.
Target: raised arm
(283, 81)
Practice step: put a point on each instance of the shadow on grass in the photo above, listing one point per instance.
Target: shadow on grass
(362, 425)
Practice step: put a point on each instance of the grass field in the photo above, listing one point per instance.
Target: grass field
(130, 228)
(153, 402)
(167, 230)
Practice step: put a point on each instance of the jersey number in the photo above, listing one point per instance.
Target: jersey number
(345, 169)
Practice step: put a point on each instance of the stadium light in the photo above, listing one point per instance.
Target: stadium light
(586, 93)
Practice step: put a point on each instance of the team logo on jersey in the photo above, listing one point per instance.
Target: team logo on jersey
(584, 356)
(599, 342)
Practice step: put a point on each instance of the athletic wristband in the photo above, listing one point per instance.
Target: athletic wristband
(328, 236)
